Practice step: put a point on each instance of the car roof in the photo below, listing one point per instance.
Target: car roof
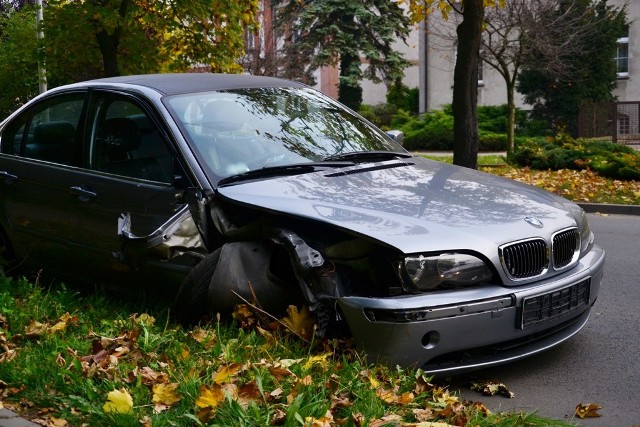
(173, 84)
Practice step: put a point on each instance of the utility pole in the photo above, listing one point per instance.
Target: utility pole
(42, 71)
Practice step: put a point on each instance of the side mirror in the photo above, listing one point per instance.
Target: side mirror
(396, 135)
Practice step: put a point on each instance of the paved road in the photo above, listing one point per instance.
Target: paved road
(601, 364)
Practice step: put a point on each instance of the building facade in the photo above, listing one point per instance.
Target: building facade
(431, 50)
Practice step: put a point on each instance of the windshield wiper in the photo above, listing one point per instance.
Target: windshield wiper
(368, 155)
(284, 170)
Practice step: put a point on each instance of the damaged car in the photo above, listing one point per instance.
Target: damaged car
(221, 188)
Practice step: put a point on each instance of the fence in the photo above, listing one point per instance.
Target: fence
(616, 121)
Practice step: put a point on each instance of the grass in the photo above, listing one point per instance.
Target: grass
(579, 186)
(90, 359)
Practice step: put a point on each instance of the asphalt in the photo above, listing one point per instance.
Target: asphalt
(11, 419)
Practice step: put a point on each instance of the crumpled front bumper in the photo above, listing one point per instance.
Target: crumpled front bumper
(456, 331)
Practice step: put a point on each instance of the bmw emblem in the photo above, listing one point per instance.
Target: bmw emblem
(533, 221)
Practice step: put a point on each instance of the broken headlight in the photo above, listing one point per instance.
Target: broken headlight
(424, 273)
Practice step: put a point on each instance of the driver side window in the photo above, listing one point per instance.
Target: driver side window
(125, 141)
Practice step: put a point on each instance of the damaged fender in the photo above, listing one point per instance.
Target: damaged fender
(178, 236)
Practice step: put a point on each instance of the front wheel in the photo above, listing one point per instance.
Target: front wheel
(191, 304)
(238, 272)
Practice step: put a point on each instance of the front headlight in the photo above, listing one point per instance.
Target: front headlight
(586, 236)
(423, 273)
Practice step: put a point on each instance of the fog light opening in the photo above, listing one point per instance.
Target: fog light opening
(430, 340)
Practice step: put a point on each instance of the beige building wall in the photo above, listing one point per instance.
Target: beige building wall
(434, 46)
(628, 88)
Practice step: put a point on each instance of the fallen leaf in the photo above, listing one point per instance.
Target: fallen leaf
(119, 401)
(491, 388)
(210, 397)
(144, 319)
(166, 394)
(301, 323)
(319, 360)
(226, 373)
(590, 410)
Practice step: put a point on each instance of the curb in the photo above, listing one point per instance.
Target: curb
(610, 209)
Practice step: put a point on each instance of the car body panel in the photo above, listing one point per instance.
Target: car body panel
(492, 326)
(414, 207)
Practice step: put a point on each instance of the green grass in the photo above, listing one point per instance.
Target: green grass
(579, 186)
(485, 160)
(62, 352)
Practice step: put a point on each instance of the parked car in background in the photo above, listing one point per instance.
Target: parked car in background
(214, 188)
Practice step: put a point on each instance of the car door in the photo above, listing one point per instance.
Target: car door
(69, 218)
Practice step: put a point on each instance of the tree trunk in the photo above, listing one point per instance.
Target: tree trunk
(511, 119)
(109, 49)
(465, 85)
(108, 43)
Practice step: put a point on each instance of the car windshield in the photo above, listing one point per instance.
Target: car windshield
(242, 130)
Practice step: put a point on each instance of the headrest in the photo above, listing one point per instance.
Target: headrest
(120, 133)
(226, 115)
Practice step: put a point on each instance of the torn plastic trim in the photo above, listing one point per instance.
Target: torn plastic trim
(177, 236)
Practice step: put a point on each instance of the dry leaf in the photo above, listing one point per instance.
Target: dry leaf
(590, 410)
(491, 388)
(119, 401)
(319, 360)
(166, 394)
(210, 397)
(300, 322)
(226, 373)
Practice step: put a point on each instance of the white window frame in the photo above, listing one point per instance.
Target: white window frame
(622, 41)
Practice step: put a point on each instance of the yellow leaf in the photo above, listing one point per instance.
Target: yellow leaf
(166, 394)
(387, 396)
(319, 360)
(226, 372)
(300, 322)
(57, 422)
(210, 397)
(34, 329)
(119, 401)
(590, 410)
(184, 353)
(375, 383)
(144, 319)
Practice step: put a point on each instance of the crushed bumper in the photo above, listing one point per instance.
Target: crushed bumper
(453, 332)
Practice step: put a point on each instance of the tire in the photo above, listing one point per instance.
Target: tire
(191, 302)
(8, 259)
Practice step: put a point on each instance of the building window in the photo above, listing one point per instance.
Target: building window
(622, 57)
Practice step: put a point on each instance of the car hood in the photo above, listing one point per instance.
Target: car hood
(414, 205)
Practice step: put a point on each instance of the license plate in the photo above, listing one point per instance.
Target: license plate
(546, 307)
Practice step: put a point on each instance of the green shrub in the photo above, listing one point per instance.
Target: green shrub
(433, 131)
(492, 141)
(404, 98)
(492, 119)
(379, 114)
(563, 152)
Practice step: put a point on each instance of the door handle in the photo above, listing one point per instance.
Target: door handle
(84, 194)
(8, 177)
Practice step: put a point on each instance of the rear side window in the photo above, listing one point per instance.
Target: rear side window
(47, 131)
(125, 141)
